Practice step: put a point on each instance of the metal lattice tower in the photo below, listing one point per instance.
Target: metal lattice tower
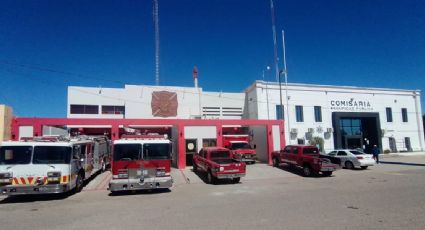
(156, 24)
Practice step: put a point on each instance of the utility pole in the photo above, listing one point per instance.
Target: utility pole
(285, 71)
(267, 93)
(276, 64)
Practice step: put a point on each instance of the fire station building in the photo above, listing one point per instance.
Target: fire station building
(271, 115)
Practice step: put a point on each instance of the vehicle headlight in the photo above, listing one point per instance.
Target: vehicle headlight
(6, 177)
(221, 169)
(53, 176)
(160, 172)
(123, 173)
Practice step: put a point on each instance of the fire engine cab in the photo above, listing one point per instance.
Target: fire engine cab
(141, 162)
(240, 148)
(53, 164)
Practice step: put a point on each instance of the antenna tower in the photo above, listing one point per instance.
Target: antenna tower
(156, 23)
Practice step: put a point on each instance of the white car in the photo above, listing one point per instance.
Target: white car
(351, 158)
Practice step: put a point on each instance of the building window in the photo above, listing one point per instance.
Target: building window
(318, 113)
(279, 112)
(351, 126)
(84, 109)
(404, 114)
(299, 113)
(389, 114)
(113, 109)
(209, 143)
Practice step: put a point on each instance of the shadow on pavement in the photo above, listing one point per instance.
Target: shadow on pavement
(203, 177)
(299, 171)
(44, 197)
(34, 198)
(140, 192)
(400, 163)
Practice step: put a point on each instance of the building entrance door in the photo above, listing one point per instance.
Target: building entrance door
(354, 142)
(191, 148)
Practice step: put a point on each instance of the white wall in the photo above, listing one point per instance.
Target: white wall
(309, 96)
(26, 131)
(199, 133)
(95, 96)
(137, 101)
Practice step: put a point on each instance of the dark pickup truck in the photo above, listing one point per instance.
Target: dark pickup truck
(308, 158)
(218, 163)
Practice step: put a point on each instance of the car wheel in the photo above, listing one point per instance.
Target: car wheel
(307, 171)
(210, 178)
(275, 162)
(364, 167)
(327, 173)
(349, 165)
(236, 180)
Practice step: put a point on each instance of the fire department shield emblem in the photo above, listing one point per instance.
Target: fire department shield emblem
(164, 104)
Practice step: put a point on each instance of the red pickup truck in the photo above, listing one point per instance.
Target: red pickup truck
(308, 158)
(218, 163)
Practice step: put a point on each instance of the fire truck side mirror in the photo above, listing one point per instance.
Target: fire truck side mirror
(255, 146)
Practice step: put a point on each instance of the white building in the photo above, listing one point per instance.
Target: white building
(345, 117)
(134, 101)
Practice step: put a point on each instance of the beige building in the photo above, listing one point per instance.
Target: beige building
(6, 116)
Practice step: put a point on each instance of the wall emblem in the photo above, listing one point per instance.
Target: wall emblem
(164, 104)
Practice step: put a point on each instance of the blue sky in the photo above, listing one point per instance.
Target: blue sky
(46, 46)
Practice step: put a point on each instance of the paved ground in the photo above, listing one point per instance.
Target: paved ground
(387, 196)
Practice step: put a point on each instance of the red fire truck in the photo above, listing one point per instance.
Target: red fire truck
(141, 162)
(240, 148)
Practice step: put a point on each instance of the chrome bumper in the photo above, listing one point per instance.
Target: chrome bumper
(11, 190)
(247, 158)
(138, 184)
(230, 176)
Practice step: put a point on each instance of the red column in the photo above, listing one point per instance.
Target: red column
(219, 130)
(269, 132)
(115, 132)
(15, 130)
(181, 164)
(37, 129)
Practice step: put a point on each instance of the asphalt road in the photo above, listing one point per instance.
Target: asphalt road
(387, 196)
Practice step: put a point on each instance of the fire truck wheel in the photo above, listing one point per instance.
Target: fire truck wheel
(210, 178)
(236, 180)
(79, 183)
(195, 168)
(103, 167)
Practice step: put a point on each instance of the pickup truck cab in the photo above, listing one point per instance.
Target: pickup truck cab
(306, 157)
(218, 163)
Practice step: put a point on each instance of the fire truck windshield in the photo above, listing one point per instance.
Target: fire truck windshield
(156, 151)
(52, 155)
(15, 155)
(240, 145)
(127, 152)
